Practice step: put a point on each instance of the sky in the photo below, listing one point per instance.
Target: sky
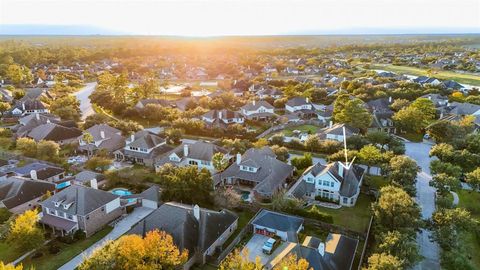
(241, 17)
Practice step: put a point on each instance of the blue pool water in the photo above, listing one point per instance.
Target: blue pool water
(121, 192)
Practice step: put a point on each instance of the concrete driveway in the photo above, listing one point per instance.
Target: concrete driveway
(255, 245)
(121, 228)
(426, 200)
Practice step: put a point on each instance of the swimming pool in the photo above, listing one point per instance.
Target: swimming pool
(121, 191)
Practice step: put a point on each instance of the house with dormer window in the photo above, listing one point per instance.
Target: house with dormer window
(257, 170)
(198, 154)
(222, 118)
(80, 208)
(258, 110)
(104, 137)
(335, 182)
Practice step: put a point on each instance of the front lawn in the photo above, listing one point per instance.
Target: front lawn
(7, 253)
(354, 218)
(310, 129)
(67, 252)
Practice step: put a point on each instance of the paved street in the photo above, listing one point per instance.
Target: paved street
(426, 199)
(82, 96)
(122, 227)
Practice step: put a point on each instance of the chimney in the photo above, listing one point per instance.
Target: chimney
(132, 137)
(185, 149)
(340, 169)
(102, 134)
(330, 124)
(23, 106)
(33, 175)
(196, 212)
(306, 99)
(37, 116)
(239, 158)
(389, 99)
(219, 114)
(430, 97)
(321, 249)
(253, 102)
(93, 183)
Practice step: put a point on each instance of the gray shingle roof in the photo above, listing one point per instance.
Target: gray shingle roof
(278, 221)
(54, 132)
(84, 199)
(252, 107)
(15, 191)
(188, 233)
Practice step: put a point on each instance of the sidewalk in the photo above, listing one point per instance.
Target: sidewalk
(122, 227)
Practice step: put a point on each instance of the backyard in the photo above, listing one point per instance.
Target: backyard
(354, 218)
(67, 251)
(310, 129)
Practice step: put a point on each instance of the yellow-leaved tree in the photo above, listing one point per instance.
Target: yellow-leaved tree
(292, 263)
(10, 267)
(238, 260)
(24, 233)
(155, 251)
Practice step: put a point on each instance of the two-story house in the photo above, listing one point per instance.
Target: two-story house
(382, 115)
(143, 147)
(222, 118)
(334, 181)
(301, 106)
(269, 93)
(200, 231)
(28, 106)
(258, 110)
(198, 154)
(103, 137)
(257, 170)
(54, 132)
(80, 208)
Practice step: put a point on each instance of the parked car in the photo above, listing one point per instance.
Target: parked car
(268, 246)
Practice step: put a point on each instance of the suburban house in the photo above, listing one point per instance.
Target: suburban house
(334, 182)
(382, 115)
(427, 80)
(55, 132)
(49, 173)
(301, 106)
(80, 208)
(335, 132)
(258, 110)
(31, 121)
(257, 170)
(26, 107)
(85, 178)
(143, 147)
(200, 231)
(103, 137)
(19, 194)
(199, 154)
(462, 109)
(437, 99)
(222, 118)
(452, 85)
(269, 93)
(337, 252)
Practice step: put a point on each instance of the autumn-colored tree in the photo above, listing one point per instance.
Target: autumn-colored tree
(156, 251)
(473, 179)
(27, 147)
(260, 143)
(370, 155)
(238, 260)
(48, 150)
(10, 266)
(292, 263)
(219, 161)
(383, 261)
(24, 233)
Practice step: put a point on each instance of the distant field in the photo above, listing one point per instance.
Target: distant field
(440, 74)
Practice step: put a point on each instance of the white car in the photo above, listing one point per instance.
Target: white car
(268, 246)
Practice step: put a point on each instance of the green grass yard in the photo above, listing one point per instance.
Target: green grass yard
(68, 251)
(304, 128)
(440, 74)
(7, 253)
(354, 218)
(471, 241)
